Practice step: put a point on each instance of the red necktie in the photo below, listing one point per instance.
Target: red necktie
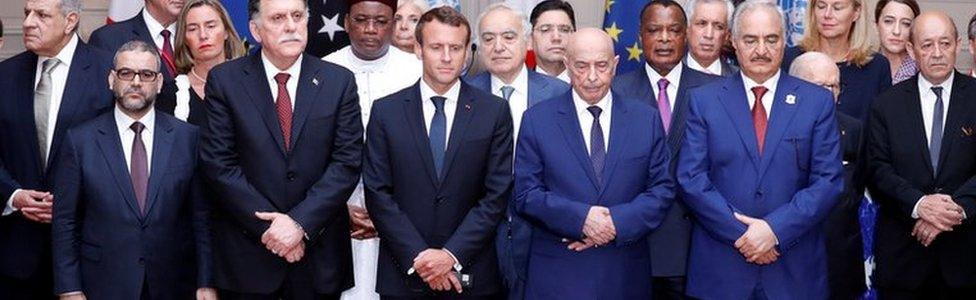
(168, 53)
(283, 107)
(759, 116)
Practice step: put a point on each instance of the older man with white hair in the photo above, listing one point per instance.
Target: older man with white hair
(709, 23)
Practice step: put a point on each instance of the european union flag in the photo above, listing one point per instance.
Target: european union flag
(622, 23)
(237, 9)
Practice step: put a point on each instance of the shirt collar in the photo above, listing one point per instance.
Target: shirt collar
(770, 83)
(155, 27)
(673, 77)
(715, 68)
(452, 94)
(66, 53)
(925, 86)
(521, 82)
(124, 121)
(270, 70)
(605, 104)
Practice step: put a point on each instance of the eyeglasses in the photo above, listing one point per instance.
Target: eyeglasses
(130, 74)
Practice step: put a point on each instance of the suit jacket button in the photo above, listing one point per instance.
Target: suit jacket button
(291, 176)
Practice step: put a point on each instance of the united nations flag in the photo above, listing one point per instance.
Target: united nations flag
(622, 23)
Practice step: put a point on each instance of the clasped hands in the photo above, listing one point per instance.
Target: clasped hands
(34, 205)
(283, 237)
(758, 243)
(362, 227)
(598, 230)
(937, 213)
(435, 267)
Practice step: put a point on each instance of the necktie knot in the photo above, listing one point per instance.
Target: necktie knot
(282, 78)
(49, 64)
(137, 127)
(595, 111)
(438, 102)
(165, 33)
(663, 84)
(507, 92)
(938, 91)
(759, 91)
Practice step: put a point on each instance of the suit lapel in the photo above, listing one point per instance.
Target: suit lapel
(737, 107)
(463, 114)
(781, 116)
(958, 106)
(111, 145)
(74, 96)
(643, 85)
(308, 87)
(913, 108)
(413, 106)
(675, 134)
(25, 106)
(538, 88)
(141, 30)
(572, 134)
(162, 146)
(618, 133)
(256, 84)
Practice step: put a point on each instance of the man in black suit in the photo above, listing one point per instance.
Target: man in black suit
(130, 221)
(923, 173)
(663, 83)
(845, 250)
(438, 174)
(57, 83)
(155, 25)
(282, 170)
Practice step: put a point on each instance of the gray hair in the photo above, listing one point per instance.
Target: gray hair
(750, 5)
(254, 10)
(138, 46)
(526, 27)
(972, 28)
(729, 9)
(802, 65)
(421, 4)
(70, 6)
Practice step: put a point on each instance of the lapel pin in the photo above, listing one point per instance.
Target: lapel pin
(315, 81)
(467, 107)
(968, 131)
(790, 99)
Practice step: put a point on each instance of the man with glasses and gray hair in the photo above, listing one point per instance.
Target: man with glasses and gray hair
(57, 83)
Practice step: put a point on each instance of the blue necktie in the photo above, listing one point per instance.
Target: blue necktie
(438, 133)
(597, 153)
(935, 144)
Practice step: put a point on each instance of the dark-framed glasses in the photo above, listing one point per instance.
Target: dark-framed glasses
(130, 74)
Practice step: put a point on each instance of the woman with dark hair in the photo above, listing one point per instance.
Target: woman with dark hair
(893, 19)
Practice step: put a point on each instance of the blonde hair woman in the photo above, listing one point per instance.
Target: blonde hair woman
(841, 29)
(205, 37)
(407, 15)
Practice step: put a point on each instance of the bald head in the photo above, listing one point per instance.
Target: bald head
(819, 69)
(933, 19)
(935, 42)
(591, 63)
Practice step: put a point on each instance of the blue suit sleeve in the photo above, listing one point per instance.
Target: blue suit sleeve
(811, 205)
(65, 238)
(635, 219)
(710, 207)
(533, 200)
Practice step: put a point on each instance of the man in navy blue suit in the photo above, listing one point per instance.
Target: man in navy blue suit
(130, 222)
(760, 168)
(155, 25)
(503, 34)
(663, 83)
(438, 174)
(57, 83)
(283, 148)
(592, 179)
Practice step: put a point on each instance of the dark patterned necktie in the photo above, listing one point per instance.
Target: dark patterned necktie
(139, 166)
(598, 154)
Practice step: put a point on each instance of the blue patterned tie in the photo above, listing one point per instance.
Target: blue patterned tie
(935, 144)
(438, 133)
(597, 153)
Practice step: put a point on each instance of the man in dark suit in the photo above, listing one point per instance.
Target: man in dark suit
(438, 174)
(155, 25)
(663, 83)
(592, 179)
(504, 35)
(709, 31)
(923, 173)
(57, 83)
(282, 170)
(760, 168)
(845, 250)
(130, 222)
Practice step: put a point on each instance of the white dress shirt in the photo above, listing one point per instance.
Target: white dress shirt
(295, 70)
(450, 106)
(586, 118)
(156, 30)
(127, 135)
(519, 101)
(715, 68)
(59, 77)
(674, 79)
(564, 76)
(927, 97)
(768, 97)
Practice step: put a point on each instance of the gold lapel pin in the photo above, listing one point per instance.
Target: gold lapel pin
(968, 131)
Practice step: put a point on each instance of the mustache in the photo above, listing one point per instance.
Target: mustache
(290, 38)
(761, 58)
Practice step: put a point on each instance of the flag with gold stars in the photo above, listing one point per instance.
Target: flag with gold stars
(622, 22)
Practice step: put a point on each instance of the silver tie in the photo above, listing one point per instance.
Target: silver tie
(42, 106)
